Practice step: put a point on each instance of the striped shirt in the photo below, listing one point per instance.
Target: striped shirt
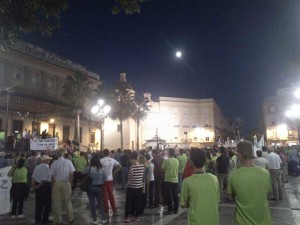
(136, 176)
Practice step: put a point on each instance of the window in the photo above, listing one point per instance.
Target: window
(272, 109)
(119, 128)
(175, 138)
(195, 124)
(66, 133)
(185, 111)
(273, 122)
(194, 111)
(185, 123)
(185, 133)
(17, 76)
(175, 110)
(34, 78)
(207, 139)
(50, 83)
(206, 124)
(195, 138)
(92, 137)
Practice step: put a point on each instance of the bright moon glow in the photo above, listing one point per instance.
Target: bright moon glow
(178, 54)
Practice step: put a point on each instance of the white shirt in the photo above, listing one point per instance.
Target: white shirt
(61, 168)
(274, 161)
(41, 173)
(108, 164)
(261, 162)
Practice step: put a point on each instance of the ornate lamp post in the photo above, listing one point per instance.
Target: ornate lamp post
(100, 111)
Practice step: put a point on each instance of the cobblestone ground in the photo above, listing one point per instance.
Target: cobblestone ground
(285, 212)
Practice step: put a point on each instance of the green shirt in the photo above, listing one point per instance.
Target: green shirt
(2, 136)
(182, 159)
(170, 166)
(200, 192)
(80, 163)
(250, 187)
(19, 175)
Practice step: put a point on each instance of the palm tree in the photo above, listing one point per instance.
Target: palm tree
(140, 113)
(122, 105)
(77, 91)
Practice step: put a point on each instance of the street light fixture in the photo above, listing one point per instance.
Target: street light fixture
(100, 111)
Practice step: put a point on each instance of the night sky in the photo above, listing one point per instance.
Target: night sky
(237, 52)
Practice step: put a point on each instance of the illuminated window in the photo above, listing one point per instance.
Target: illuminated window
(92, 137)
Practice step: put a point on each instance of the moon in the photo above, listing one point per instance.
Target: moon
(178, 54)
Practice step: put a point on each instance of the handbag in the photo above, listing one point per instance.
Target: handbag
(86, 183)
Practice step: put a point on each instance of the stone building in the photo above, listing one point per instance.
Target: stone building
(279, 128)
(31, 81)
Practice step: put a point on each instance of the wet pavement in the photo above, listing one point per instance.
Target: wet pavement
(285, 212)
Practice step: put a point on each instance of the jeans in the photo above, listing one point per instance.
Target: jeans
(158, 185)
(294, 168)
(222, 180)
(276, 184)
(124, 176)
(96, 193)
(179, 182)
(133, 201)
(42, 203)
(171, 193)
(61, 191)
(109, 196)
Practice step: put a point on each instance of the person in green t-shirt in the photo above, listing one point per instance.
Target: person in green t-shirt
(79, 163)
(19, 190)
(182, 159)
(249, 186)
(200, 193)
(170, 167)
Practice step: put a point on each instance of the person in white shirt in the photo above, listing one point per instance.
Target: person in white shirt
(41, 184)
(274, 163)
(61, 172)
(108, 164)
(260, 161)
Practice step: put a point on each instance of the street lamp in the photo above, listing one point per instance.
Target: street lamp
(100, 111)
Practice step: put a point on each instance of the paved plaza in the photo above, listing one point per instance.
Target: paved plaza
(286, 212)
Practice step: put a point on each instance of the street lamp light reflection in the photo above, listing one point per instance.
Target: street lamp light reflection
(297, 93)
(100, 111)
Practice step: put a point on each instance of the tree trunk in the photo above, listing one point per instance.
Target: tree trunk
(77, 128)
(138, 134)
(121, 133)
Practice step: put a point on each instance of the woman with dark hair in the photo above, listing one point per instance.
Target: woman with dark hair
(19, 190)
(96, 190)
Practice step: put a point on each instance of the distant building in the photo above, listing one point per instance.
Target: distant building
(237, 125)
(31, 85)
(185, 122)
(280, 129)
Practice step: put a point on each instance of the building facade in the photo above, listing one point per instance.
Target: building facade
(279, 128)
(31, 85)
(185, 122)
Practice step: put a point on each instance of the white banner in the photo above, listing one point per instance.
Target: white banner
(5, 185)
(44, 144)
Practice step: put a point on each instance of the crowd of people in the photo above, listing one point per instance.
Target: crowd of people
(197, 179)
